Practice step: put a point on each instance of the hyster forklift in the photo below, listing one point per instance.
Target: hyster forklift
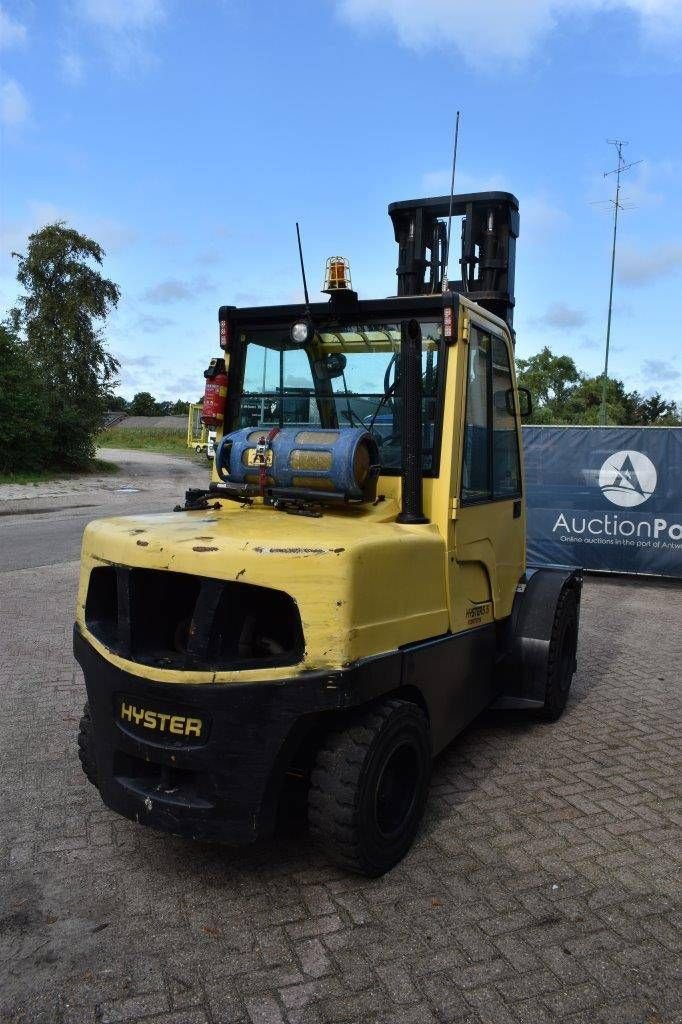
(350, 590)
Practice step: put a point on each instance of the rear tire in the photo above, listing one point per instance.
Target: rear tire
(561, 664)
(86, 746)
(369, 787)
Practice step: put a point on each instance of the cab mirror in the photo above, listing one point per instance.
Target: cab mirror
(330, 366)
(525, 403)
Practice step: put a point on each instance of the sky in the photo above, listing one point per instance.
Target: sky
(188, 136)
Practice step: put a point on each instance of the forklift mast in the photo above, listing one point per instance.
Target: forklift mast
(490, 227)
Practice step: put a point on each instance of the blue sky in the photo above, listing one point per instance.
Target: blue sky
(188, 137)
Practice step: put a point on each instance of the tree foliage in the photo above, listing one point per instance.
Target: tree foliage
(58, 323)
(143, 404)
(562, 394)
(21, 409)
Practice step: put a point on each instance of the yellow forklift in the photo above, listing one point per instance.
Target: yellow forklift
(351, 589)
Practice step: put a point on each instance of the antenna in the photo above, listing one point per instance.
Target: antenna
(620, 169)
(452, 192)
(300, 256)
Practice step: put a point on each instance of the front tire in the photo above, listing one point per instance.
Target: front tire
(86, 746)
(562, 655)
(369, 787)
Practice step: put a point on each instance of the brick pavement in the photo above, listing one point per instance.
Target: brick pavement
(544, 885)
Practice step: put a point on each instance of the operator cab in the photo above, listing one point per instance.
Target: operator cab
(337, 366)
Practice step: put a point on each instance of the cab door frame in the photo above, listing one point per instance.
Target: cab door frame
(486, 538)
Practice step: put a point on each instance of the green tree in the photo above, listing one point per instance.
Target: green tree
(22, 398)
(179, 408)
(59, 318)
(562, 394)
(551, 380)
(143, 404)
(655, 409)
(116, 403)
(583, 404)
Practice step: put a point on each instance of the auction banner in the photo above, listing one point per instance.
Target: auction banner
(606, 498)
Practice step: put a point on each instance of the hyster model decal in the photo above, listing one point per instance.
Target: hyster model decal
(178, 725)
(477, 612)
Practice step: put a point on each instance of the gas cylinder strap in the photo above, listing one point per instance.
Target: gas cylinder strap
(262, 449)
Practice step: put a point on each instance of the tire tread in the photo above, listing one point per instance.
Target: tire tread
(332, 803)
(86, 753)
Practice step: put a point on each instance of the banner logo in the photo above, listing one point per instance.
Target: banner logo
(627, 478)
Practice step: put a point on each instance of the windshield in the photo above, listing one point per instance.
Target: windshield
(346, 377)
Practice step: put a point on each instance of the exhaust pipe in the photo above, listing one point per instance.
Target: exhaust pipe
(411, 426)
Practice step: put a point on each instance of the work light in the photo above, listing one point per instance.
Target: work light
(301, 332)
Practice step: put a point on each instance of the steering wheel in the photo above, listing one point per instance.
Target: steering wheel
(387, 376)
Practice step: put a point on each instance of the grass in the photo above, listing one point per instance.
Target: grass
(169, 442)
(98, 467)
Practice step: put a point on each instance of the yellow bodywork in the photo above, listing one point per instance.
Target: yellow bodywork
(364, 584)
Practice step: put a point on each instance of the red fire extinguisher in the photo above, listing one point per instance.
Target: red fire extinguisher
(215, 393)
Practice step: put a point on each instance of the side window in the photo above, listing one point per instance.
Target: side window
(491, 447)
(506, 475)
(475, 470)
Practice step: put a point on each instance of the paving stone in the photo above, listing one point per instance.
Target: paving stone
(543, 887)
(264, 1010)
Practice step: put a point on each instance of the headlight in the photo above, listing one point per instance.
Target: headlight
(302, 332)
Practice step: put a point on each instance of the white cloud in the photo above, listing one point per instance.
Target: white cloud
(12, 33)
(659, 369)
(645, 184)
(506, 29)
(13, 104)
(174, 290)
(71, 66)
(122, 15)
(112, 235)
(562, 317)
(637, 266)
(123, 28)
(540, 218)
(437, 183)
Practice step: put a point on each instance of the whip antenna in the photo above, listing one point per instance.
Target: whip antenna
(300, 256)
(452, 192)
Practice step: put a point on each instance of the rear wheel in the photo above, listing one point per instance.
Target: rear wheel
(562, 655)
(86, 747)
(369, 787)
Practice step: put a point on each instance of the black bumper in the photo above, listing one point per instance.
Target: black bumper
(225, 785)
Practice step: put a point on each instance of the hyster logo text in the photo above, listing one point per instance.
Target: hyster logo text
(627, 478)
(178, 725)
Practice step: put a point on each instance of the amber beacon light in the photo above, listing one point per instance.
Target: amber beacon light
(337, 275)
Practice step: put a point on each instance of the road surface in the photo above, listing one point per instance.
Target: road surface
(43, 524)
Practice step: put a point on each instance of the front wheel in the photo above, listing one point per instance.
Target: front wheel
(369, 787)
(86, 746)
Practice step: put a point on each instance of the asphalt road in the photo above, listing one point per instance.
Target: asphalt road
(43, 524)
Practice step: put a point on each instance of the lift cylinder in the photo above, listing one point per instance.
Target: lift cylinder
(344, 461)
